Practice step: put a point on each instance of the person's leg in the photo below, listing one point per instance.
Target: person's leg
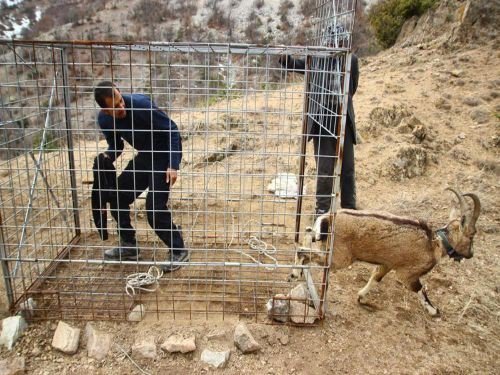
(160, 218)
(324, 151)
(348, 176)
(130, 184)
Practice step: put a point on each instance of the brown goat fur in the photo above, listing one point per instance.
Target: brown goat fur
(408, 246)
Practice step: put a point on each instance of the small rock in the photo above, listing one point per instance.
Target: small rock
(420, 133)
(12, 328)
(244, 340)
(216, 334)
(471, 101)
(284, 339)
(98, 343)
(480, 116)
(456, 73)
(66, 338)
(137, 313)
(36, 351)
(215, 359)
(13, 366)
(145, 349)
(443, 104)
(178, 343)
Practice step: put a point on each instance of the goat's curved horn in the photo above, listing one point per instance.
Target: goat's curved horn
(461, 200)
(477, 209)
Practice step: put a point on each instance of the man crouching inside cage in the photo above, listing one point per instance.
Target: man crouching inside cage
(136, 119)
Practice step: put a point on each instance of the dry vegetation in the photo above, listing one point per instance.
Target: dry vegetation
(428, 119)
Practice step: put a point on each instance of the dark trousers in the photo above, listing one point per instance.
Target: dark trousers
(324, 152)
(141, 173)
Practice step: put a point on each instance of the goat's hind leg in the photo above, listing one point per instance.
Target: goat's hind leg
(377, 275)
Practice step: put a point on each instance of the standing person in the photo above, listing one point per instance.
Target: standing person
(324, 117)
(137, 120)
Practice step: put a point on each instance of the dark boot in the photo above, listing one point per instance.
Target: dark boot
(178, 257)
(126, 251)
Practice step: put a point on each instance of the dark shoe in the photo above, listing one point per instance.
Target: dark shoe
(126, 251)
(176, 260)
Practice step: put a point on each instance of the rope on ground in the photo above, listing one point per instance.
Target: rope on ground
(129, 357)
(138, 281)
(255, 243)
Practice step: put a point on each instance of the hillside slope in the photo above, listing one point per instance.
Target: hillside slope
(428, 114)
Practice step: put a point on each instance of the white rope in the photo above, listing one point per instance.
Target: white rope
(256, 243)
(134, 362)
(137, 281)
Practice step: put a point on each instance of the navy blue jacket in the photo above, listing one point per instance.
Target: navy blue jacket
(146, 128)
(103, 192)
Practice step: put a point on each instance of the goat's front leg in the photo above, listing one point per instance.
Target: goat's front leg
(413, 283)
(376, 276)
(426, 302)
(297, 273)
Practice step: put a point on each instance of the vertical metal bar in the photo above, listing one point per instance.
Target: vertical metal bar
(5, 267)
(303, 146)
(69, 139)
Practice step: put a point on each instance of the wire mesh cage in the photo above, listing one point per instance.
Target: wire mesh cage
(244, 195)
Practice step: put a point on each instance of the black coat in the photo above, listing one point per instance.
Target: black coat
(103, 192)
(323, 91)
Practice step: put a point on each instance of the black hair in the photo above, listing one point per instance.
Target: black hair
(102, 91)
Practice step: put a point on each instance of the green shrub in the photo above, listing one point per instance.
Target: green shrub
(388, 16)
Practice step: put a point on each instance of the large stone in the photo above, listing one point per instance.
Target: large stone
(12, 366)
(98, 343)
(278, 308)
(300, 293)
(179, 343)
(301, 313)
(12, 328)
(137, 314)
(144, 349)
(66, 338)
(244, 340)
(215, 359)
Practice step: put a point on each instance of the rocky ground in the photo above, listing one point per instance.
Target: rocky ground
(428, 118)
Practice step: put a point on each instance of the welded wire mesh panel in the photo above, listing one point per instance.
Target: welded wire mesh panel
(245, 190)
(332, 15)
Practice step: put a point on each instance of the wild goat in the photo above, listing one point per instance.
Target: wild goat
(408, 246)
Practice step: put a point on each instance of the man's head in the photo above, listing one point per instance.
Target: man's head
(110, 100)
(335, 36)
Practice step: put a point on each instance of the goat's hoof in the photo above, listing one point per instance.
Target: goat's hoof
(434, 312)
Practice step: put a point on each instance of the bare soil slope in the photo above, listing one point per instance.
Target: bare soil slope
(428, 118)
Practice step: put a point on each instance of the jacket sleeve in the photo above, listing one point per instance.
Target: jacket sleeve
(354, 73)
(290, 63)
(98, 202)
(114, 140)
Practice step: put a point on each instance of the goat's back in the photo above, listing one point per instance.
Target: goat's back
(380, 238)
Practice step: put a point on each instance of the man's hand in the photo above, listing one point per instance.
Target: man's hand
(171, 176)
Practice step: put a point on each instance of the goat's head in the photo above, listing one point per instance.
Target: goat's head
(461, 227)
